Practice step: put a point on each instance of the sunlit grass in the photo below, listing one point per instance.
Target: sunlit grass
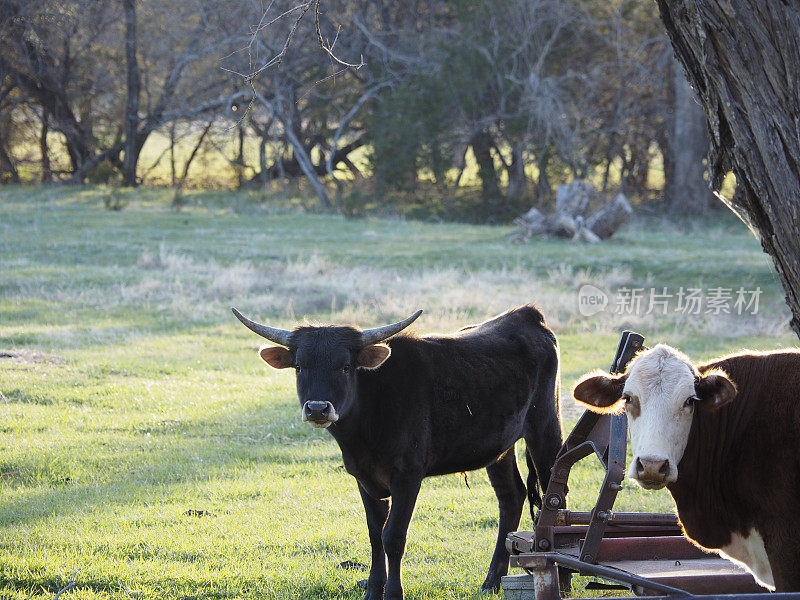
(136, 396)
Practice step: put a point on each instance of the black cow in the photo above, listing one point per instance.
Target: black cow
(419, 406)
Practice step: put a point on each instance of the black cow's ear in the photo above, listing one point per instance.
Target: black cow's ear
(600, 392)
(715, 389)
(277, 357)
(373, 356)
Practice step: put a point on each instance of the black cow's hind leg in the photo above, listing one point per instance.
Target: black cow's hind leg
(405, 490)
(377, 511)
(543, 439)
(510, 489)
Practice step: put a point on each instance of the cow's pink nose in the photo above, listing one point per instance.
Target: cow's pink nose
(652, 470)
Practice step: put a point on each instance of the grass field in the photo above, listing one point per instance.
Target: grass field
(131, 400)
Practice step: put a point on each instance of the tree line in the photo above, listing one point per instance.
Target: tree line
(500, 99)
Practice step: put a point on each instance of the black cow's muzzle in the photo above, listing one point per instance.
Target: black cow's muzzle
(319, 414)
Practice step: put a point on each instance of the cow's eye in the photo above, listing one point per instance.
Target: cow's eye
(628, 399)
(346, 369)
(297, 368)
(691, 401)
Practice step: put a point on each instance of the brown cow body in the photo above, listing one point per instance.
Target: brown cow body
(737, 482)
(740, 472)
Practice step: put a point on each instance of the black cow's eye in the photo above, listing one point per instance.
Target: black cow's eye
(297, 368)
(346, 369)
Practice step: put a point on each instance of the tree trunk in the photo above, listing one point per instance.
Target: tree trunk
(517, 182)
(262, 159)
(47, 174)
(304, 160)
(8, 171)
(132, 144)
(192, 155)
(742, 57)
(482, 144)
(544, 191)
(61, 117)
(686, 190)
(77, 145)
(172, 171)
(239, 162)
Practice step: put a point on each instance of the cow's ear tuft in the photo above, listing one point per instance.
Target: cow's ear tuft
(715, 389)
(600, 392)
(373, 356)
(277, 357)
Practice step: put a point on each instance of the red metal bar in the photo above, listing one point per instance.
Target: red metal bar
(569, 517)
(649, 548)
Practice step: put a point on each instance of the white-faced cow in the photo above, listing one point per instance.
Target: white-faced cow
(404, 408)
(724, 438)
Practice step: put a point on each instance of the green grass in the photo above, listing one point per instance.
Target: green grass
(136, 396)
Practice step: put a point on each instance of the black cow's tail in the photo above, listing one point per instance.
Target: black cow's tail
(534, 491)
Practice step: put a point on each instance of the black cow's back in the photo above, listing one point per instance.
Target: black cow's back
(460, 399)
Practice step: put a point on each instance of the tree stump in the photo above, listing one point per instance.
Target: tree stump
(606, 221)
(569, 221)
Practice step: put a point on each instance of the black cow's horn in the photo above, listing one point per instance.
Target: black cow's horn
(373, 336)
(279, 336)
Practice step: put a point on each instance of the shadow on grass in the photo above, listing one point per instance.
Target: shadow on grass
(203, 450)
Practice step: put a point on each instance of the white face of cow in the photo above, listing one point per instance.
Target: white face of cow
(660, 392)
(660, 400)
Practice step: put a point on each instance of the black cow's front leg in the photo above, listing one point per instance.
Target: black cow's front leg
(405, 490)
(377, 511)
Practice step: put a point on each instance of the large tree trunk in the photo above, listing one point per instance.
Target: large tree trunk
(686, 190)
(743, 59)
(132, 142)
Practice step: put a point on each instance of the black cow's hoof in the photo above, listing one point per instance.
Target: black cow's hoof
(373, 595)
(374, 592)
(393, 593)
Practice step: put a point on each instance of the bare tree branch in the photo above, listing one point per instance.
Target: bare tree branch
(345, 120)
(67, 587)
(329, 49)
(277, 59)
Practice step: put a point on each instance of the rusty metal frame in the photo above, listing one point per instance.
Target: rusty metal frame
(602, 435)
(583, 568)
